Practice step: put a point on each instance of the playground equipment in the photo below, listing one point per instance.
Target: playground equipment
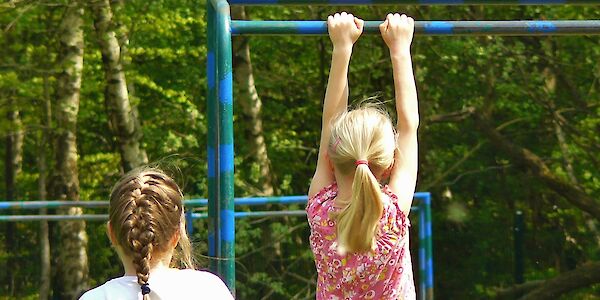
(423, 209)
(221, 203)
(220, 94)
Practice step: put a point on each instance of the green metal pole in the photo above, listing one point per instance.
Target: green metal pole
(436, 28)
(225, 148)
(518, 238)
(214, 247)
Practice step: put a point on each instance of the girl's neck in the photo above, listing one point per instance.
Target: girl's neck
(162, 263)
(344, 184)
(344, 194)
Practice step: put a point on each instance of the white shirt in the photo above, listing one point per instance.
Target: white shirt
(165, 284)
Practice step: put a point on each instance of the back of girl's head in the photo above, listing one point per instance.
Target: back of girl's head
(146, 215)
(362, 143)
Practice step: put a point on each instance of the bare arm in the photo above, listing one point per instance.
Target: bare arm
(397, 31)
(344, 29)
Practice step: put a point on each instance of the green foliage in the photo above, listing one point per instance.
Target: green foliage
(476, 188)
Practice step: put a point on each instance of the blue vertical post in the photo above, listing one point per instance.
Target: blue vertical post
(214, 246)
(428, 248)
(425, 248)
(189, 226)
(224, 153)
(422, 252)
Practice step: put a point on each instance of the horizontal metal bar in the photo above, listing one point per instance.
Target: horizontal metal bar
(239, 214)
(412, 2)
(298, 199)
(28, 218)
(103, 217)
(257, 214)
(254, 200)
(51, 204)
(512, 28)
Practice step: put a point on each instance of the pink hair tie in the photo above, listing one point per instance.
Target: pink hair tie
(361, 162)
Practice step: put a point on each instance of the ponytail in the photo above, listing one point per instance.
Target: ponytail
(362, 143)
(357, 223)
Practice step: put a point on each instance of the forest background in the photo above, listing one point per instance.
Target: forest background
(91, 89)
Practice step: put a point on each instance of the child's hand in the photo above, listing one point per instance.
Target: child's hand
(344, 29)
(397, 32)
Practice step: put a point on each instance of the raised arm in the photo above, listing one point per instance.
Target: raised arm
(397, 32)
(344, 29)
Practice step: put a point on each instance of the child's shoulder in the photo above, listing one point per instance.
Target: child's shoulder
(212, 284)
(317, 201)
(116, 286)
(204, 276)
(328, 191)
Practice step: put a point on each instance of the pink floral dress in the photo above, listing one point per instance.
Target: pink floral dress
(384, 273)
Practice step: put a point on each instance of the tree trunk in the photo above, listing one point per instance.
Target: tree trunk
(43, 148)
(516, 291)
(71, 262)
(251, 104)
(550, 88)
(583, 276)
(123, 119)
(12, 168)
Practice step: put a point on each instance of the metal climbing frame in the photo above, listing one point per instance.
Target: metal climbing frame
(220, 99)
(423, 209)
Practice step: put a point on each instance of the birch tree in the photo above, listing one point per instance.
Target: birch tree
(12, 167)
(251, 105)
(123, 117)
(71, 263)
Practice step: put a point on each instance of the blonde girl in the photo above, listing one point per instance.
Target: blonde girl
(359, 227)
(146, 225)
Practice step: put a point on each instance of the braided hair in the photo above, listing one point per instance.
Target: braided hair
(146, 213)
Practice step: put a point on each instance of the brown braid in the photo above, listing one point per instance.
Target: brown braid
(146, 212)
(141, 235)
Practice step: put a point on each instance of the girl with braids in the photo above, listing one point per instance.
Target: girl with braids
(359, 228)
(146, 225)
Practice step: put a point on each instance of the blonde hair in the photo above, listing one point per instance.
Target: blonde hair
(362, 142)
(145, 213)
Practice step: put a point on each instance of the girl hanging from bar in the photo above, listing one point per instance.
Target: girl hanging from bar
(359, 227)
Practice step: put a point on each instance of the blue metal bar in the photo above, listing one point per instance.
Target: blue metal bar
(412, 2)
(422, 252)
(197, 202)
(29, 218)
(189, 225)
(189, 216)
(225, 157)
(428, 248)
(51, 204)
(213, 139)
(259, 214)
(506, 28)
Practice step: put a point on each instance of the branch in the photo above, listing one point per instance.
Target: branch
(517, 290)
(466, 156)
(583, 276)
(536, 165)
(453, 116)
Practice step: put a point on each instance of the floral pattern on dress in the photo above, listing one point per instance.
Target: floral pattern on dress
(384, 273)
